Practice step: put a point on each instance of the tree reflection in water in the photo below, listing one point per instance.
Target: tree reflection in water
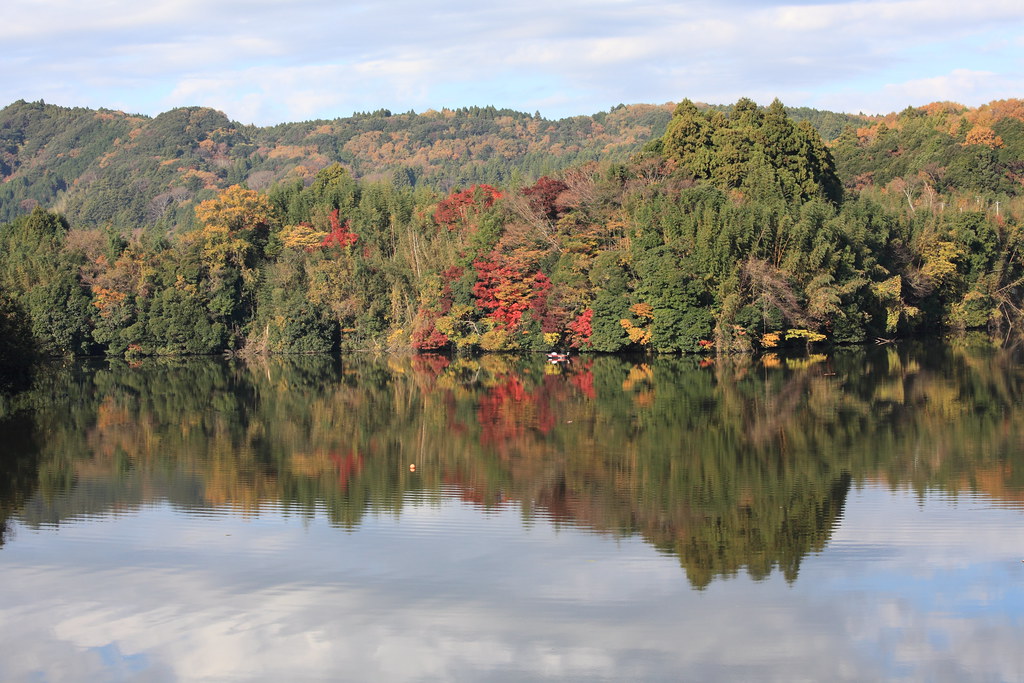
(740, 464)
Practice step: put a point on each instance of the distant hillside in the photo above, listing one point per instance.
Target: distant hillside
(940, 147)
(107, 166)
(100, 167)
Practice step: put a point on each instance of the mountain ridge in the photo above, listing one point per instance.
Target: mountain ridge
(104, 166)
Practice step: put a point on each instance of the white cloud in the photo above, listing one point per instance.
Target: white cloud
(40, 20)
(960, 85)
(907, 590)
(586, 56)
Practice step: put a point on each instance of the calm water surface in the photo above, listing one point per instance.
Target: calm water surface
(856, 516)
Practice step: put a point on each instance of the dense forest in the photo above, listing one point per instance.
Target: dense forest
(104, 167)
(685, 228)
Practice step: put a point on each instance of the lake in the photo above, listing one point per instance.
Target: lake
(857, 515)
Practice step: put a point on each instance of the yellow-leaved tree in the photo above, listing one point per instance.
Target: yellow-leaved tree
(234, 227)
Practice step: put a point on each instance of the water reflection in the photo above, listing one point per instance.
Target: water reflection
(742, 465)
(18, 467)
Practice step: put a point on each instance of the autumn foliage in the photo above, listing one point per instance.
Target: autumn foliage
(544, 196)
(580, 329)
(507, 292)
(426, 336)
(340, 235)
(736, 228)
(456, 207)
(983, 135)
(236, 209)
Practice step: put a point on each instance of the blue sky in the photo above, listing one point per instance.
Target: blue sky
(269, 61)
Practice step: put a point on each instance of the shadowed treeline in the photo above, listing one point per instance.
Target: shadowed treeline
(744, 464)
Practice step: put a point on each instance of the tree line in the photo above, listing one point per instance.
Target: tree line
(733, 231)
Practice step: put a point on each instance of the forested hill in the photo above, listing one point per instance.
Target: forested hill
(106, 166)
(100, 167)
(670, 229)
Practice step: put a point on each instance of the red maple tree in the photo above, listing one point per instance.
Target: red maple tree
(581, 329)
(455, 207)
(340, 235)
(507, 293)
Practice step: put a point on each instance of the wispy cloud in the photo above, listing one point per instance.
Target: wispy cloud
(315, 58)
(892, 596)
(959, 85)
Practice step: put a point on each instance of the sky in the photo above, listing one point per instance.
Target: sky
(271, 61)
(911, 587)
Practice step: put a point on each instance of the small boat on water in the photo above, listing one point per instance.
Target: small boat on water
(554, 357)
